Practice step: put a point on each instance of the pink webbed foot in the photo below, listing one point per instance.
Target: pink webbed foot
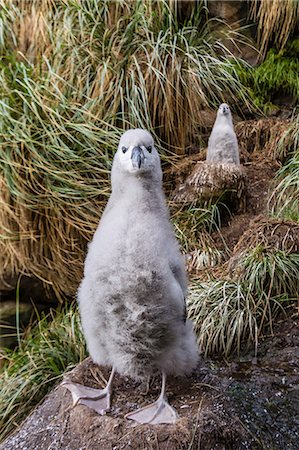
(97, 399)
(158, 412)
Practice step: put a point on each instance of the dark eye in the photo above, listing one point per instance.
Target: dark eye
(149, 149)
(124, 149)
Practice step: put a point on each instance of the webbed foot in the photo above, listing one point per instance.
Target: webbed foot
(96, 399)
(156, 413)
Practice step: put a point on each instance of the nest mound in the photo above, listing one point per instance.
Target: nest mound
(270, 233)
(209, 182)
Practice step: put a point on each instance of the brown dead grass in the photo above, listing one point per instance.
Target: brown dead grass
(258, 139)
(44, 244)
(276, 19)
(278, 234)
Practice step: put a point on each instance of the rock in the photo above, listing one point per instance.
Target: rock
(235, 13)
(230, 407)
(231, 11)
(56, 424)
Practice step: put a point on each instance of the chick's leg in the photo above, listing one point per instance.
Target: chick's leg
(158, 412)
(97, 399)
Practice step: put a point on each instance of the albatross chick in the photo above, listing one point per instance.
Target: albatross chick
(132, 296)
(223, 143)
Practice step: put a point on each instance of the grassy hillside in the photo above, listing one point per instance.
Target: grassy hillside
(73, 75)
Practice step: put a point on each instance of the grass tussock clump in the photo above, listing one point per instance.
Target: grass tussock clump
(54, 346)
(288, 144)
(276, 20)
(224, 314)
(192, 226)
(135, 58)
(261, 139)
(270, 271)
(284, 202)
(267, 257)
(230, 316)
(73, 75)
(270, 233)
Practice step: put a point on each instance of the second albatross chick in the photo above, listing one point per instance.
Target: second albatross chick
(132, 296)
(223, 143)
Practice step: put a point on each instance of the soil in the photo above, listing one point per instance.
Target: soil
(251, 403)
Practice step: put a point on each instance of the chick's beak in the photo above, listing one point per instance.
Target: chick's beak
(137, 157)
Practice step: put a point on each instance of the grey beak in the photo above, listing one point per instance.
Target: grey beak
(137, 157)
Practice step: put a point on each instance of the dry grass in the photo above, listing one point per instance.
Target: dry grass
(276, 20)
(260, 139)
(278, 234)
(73, 75)
(53, 188)
(205, 256)
(133, 57)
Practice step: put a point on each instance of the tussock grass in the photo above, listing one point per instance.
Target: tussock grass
(270, 271)
(192, 225)
(262, 281)
(289, 142)
(230, 316)
(54, 346)
(137, 60)
(276, 21)
(270, 233)
(73, 76)
(267, 258)
(261, 139)
(205, 256)
(284, 199)
(224, 315)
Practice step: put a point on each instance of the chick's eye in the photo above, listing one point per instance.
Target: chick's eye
(124, 149)
(149, 149)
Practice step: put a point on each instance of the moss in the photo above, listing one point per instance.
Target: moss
(277, 75)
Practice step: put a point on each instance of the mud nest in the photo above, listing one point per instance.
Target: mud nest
(211, 182)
